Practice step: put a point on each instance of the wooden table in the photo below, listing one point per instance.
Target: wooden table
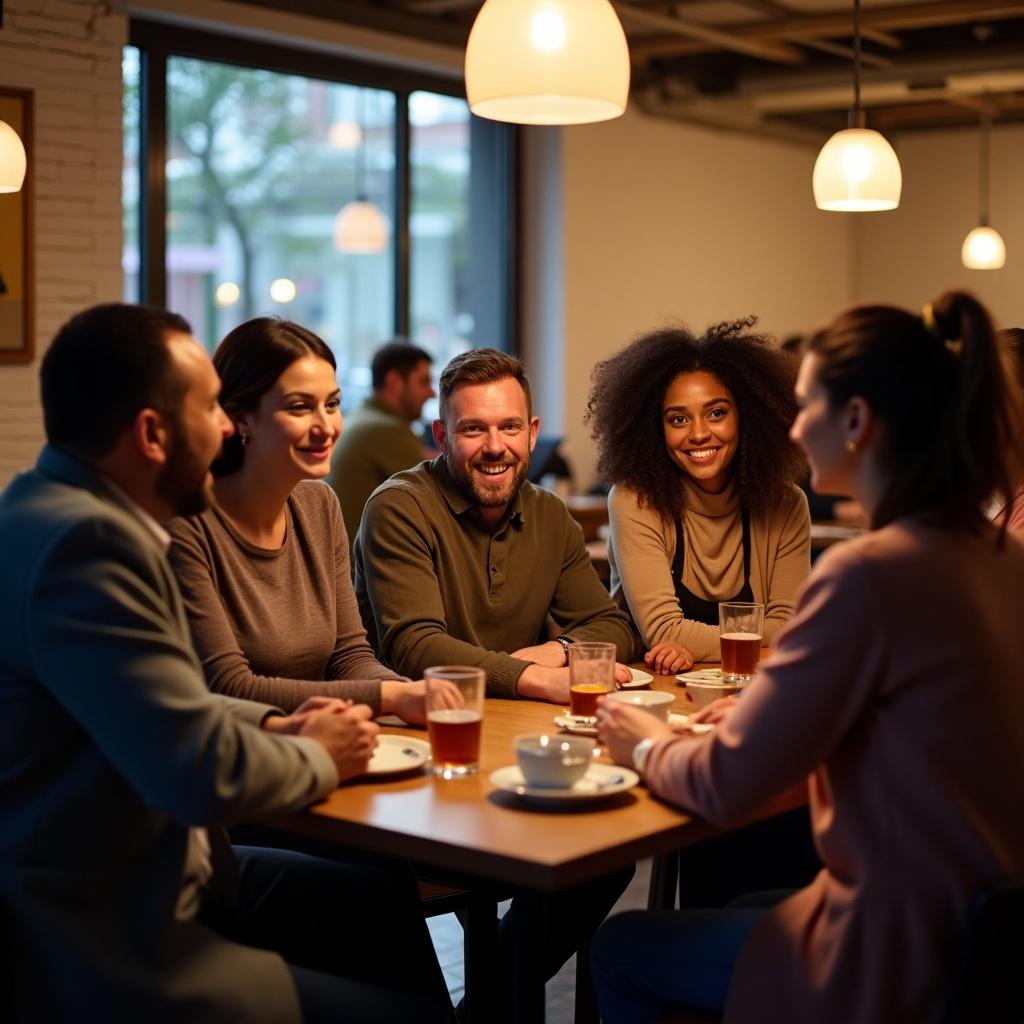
(467, 825)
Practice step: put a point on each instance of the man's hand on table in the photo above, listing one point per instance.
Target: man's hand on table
(667, 659)
(344, 729)
(621, 727)
(549, 655)
(552, 684)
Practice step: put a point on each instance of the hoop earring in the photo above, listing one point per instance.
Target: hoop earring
(244, 438)
(850, 446)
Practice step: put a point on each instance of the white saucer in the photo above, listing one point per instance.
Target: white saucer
(702, 675)
(398, 754)
(600, 781)
(579, 725)
(639, 681)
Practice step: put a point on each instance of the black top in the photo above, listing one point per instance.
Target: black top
(695, 608)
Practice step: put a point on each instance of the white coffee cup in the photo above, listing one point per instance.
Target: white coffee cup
(553, 762)
(657, 702)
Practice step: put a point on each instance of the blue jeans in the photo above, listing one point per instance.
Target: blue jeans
(647, 962)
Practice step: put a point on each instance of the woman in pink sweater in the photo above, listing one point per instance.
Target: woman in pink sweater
(893, 696)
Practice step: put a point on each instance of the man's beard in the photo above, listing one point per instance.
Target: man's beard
(183, 482)
(477, 491)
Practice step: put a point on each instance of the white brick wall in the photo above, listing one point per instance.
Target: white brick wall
(69, 53)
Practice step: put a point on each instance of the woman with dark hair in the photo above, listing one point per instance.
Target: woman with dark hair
(1013, 514)
(693, 434)
(893, 698)
(265, 570)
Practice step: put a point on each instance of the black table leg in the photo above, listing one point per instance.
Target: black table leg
(527, 962)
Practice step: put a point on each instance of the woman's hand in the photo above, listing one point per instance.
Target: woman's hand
(620, 728)
(667, 659)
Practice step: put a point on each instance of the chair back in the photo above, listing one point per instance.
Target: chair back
(988, 981)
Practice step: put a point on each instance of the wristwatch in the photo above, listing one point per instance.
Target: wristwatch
(640, 752)
(565, 644)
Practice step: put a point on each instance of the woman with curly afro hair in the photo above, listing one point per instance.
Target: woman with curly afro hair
(693, 434)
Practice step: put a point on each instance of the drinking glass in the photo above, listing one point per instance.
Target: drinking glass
(591, 675)
(741, 633)
(455, 713)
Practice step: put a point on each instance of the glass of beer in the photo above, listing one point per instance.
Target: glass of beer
(591, 675)
(455, 713)
(741, 632)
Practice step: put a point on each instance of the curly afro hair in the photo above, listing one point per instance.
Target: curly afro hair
(624, 411)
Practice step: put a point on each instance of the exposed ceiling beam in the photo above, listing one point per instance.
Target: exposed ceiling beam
(718, 39)
(824, 26)
(882, 38)
(438, 6)
(838, 50)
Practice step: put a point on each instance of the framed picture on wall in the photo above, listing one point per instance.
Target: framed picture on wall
(16, 268)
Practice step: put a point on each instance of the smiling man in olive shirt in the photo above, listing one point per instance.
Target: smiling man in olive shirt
(461, 560)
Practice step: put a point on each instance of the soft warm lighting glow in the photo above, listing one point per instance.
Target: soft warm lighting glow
(983, 249)
(547, 62)
(226, 294)
(360, 227)
(856, 172)
(345, 135)
(12, 159)
(282, 290)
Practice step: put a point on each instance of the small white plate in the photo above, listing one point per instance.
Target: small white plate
(639, 681)
(702, 675)
(580, 725)
(600, 781)
(398, 754)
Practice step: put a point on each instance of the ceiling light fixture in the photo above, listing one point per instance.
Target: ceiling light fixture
(857, 171)
(983, 248)
(13, 162)
(360, 227)
(547, 62)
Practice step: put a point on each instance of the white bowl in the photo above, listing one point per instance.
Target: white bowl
(657, 702)
(553, 762)
(703, 693)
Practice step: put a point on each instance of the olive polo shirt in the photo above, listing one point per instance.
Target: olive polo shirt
(436, 586)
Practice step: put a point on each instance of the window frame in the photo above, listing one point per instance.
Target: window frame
(157, 41)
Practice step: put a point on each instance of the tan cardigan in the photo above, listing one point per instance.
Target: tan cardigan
(897, 688)
(642, 546)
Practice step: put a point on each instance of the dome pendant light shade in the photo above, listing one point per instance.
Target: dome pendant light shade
(983, 249)
(547, 62)
(360, 227)
(12, 159)
(857, 171)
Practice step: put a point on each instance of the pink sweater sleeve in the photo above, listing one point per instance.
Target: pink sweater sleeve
(802, 702)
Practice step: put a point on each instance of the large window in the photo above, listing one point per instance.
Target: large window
(238, 169)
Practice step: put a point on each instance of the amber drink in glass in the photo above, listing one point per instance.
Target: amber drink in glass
(741, 633)
(455, 714)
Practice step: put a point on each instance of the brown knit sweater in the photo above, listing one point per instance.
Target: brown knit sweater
(282, 625)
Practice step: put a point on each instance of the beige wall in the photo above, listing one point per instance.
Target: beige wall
(664, 222)
(911, 254)
(69, 53)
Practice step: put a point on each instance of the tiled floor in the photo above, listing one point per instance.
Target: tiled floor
(447, 934)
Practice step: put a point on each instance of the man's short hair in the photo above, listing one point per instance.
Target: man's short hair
(481, 366)
(396, 355)
(105, 365)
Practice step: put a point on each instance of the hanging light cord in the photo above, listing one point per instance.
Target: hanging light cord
(986, 128)
(856, 56)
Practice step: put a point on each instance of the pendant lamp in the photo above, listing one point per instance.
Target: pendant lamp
(360, 227)
(12, 159)
(857, 171)
(547, 62)
(983, 248)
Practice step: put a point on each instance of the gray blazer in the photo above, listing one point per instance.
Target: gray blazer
(110, 746)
